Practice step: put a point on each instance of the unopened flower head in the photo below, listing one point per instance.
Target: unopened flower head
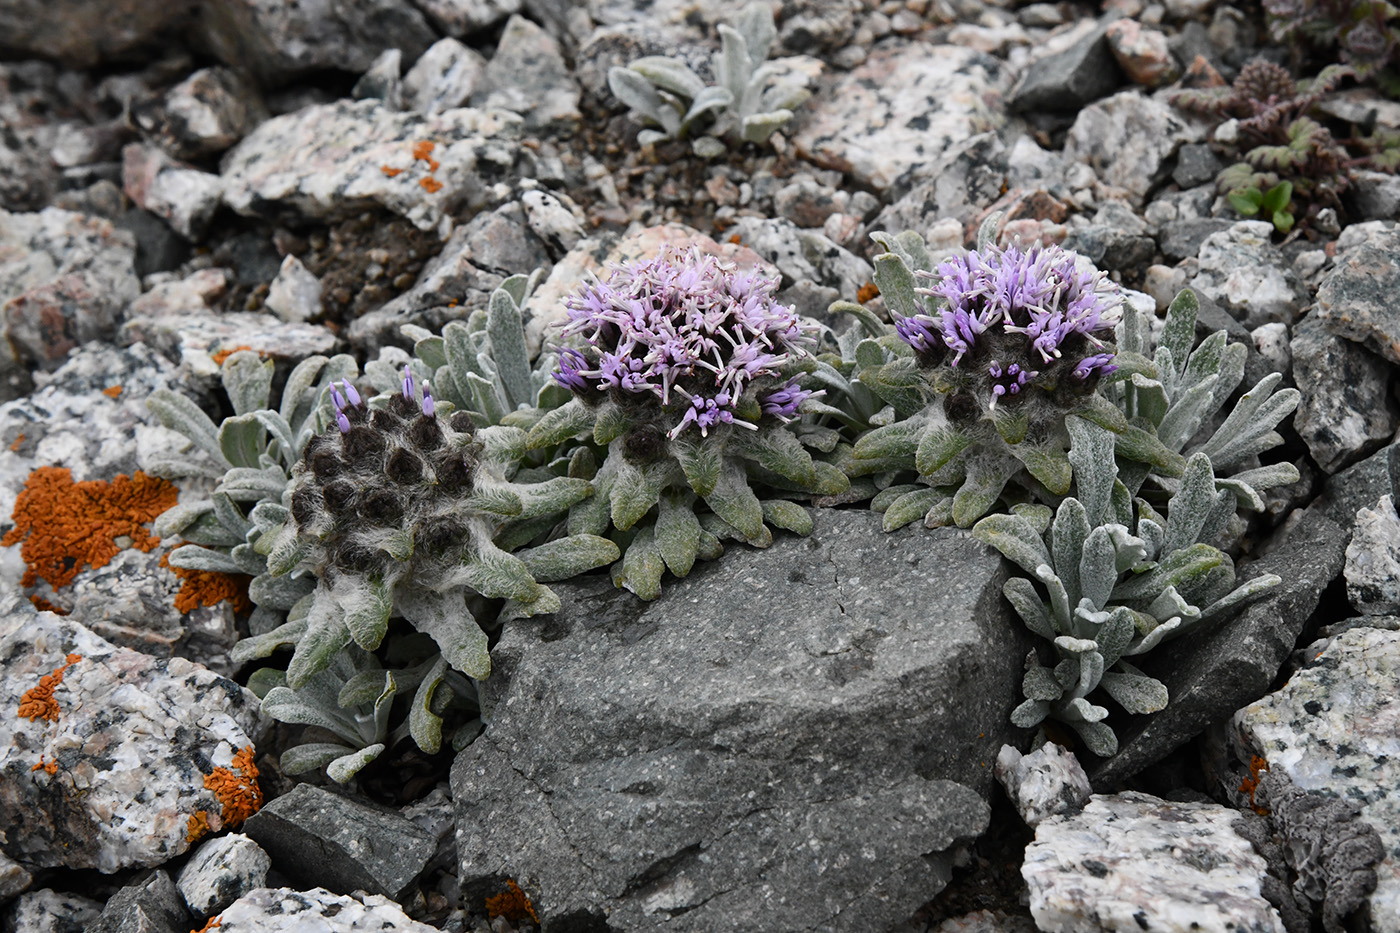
(689, 331)
(1016, 313)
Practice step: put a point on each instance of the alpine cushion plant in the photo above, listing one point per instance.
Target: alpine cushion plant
(685, 370)
(1002, 346)
(1117, 579)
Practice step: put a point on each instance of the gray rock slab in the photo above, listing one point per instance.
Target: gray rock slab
(1333, 729)
(1129, 140)
(275, 41)
(1196, 164)
(50, 911)
(890, 121)
(971, 177)
(1357, 298)
(1135, 862)
(329, 160)
(461, 18)
(133, 740)
(1346, 411)
(220, 871)
(804, 255)
(64, 280)
(443, 78)
(1071, 78)
(1215, 672)
(528, 76)
(325, 839)
(150, 905)
(1357, 487)
(81, 34)
(14, 878)
(1182, 239)
(179, 194)
(204, 114)
(286, 910)
(786, 739)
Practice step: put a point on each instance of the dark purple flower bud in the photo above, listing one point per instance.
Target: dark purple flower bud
(1101, 363)
(1008, 380)
(407, 384)
(342, 422)
(337, 399)
(428, 407)
(570, 374)
(783, 404)
(351, 394)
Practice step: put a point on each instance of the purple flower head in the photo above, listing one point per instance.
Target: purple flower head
(1101, 363)
(350, 393)
(428, 406)
(342, 422)
(337, 399)
(682, 322)
(783, 404)
(1034, 306)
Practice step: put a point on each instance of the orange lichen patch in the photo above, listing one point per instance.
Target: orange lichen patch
(197, 827)
(239, 794)
(422, 150)
(390, 171)
(1251, 783)
(38, 702)
(209, 588)
(430, 185)
(212, 923)
(112, 391)
(17, 441)
(43, 605)
(47, 767)
(736, 239)
(66, 525)
(867, 292)
(222, 355)
(511, 904)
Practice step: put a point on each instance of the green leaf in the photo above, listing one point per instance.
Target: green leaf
(367, 605)
(677, 534)
(506, 329)
(254, 647)
(937, 446)
(1030, 714)
(1246, 201)
(445, 617)
(496, 500)
(635, 489)
(911, 506)
(423, 724)
(831, 481)
(980, 490)
(1039, 683)
(1188, 510)
(344, 768)
(1179, 333)
(669, 75)
(789, 516)
(1276, 198)
(734, 502)
(701, 462)
(569, 420)
(248, 381)
(1015, 538)
(297, 397)
(642, 566)
(1021, 593)
(242, 439)
(1136, 693)
(326, 634)
(497, 575)
(568, 557)
(1097, 737)
(898, 440)
(1097, 568)
(778, 450)
(180, 414)
(897, 284)
(1067, 537)
(609, 424)
(191, 557)
(300, 759)
(1048, 463)
(1091, 452)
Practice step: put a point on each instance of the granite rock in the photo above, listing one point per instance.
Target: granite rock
(1242, 270)
(1373, 561)
(64, 280)
(1375, 196)
(275, 41)
(204, 114)
(49, 911)
(1142, 53)
(461, 18)
(554, 218)
(803, 255)
(474, 261)
(443, 78)
(329, 160)
(14, 878)
(325, 839)
(1345, 412)
(1047, 782)
(1220, 670)
(131, 745)
(972, 175)
(890, 121)
(149, 905)
(528, 75)
(1357, 487)
(295, 295)
(221, 871)
(1331, 729)
(1356, 299)
(1196, 164)
(286, 910)
(1068, 79)
(1133, 861)
(1272, 342)
(181, 195)
(796, 764)
(1129, 140)
(383, 80)
(175, 319)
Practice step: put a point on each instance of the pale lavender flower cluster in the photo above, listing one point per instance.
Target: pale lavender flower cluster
(990, 296)
(688, 330)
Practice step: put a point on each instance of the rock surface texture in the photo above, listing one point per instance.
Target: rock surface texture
(713, 757)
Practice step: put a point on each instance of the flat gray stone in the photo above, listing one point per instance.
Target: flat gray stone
(49, 911)
(890, 121)
(179, 194)
(461, 18)
(1373, 560)
(1069, 79)
(1214, 672)
(325, 839)
(787, 739)
(1048, 782)
(1182, 239)
(221, 871)
(150, 905)
(1358, 486)
(1242, 270)
(804, 255)
(329, 160)
(443, 78)
(80, 33)
(1135, 862)
(528, 76)
(1357, 298)
(131, 743)
(204, 114)
(1332, 729)
(1346, 411)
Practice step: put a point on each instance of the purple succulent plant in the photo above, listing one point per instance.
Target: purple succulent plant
(1019, 313)
(689, 331)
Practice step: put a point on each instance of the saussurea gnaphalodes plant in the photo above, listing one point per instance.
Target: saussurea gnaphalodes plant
(684, 372)
(1003, 345)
